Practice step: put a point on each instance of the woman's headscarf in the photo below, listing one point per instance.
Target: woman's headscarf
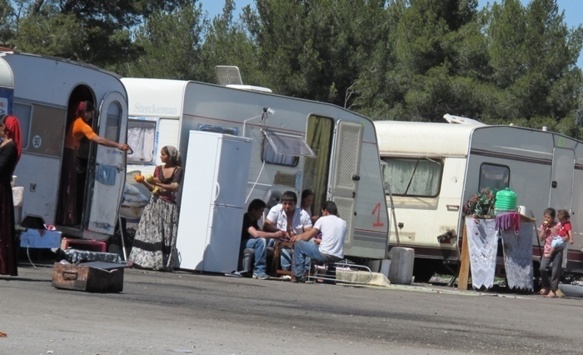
(173, 154)
(83, 107)
(12, 129)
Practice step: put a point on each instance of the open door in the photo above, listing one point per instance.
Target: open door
(109, 166)
(345, 172)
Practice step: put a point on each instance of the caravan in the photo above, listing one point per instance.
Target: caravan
(43, 93)
(432, 169)
(296, 144)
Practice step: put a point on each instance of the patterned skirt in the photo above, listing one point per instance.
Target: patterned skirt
(154, 246)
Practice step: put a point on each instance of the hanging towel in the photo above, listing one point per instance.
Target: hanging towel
(508, 221)
(518, 257)
(483, 243)
(106, 174)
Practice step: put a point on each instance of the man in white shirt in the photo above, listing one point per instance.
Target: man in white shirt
(287, 216)
(328, 249)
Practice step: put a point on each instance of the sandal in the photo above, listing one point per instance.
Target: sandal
(544, 291)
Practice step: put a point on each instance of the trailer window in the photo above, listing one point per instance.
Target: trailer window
(281, 149)
(24, 115)
(494, 177)
(112, 121)
(142, 139)
(271, 157)
(413, 176)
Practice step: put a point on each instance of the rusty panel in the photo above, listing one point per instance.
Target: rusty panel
(47, 131)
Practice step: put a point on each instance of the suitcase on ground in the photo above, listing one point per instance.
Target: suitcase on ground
(90, 277)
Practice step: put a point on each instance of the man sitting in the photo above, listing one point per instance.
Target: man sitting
(252, 237)
(328, 249)
(288, 217)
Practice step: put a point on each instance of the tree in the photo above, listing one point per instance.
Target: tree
(533, 55)
(171, 45)
(227, 43)
(439, 58)
(313, 49)
(6, 30)
(93, 31)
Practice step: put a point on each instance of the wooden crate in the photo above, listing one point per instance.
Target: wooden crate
(89, 277)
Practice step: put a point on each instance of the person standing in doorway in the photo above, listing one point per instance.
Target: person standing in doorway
(10, 150)
(66, 214)
(154, 246)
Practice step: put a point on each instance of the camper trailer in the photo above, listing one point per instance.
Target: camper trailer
(432, 169)
(43, 93)
(295, 144)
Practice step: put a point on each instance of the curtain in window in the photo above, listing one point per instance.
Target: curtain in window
(142, 140)
(319, 138)
(413, 177)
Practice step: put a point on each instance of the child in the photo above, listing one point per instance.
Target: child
(549, 228)
(549, 281)
(563, 232)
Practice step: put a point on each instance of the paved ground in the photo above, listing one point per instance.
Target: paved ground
(202, 314)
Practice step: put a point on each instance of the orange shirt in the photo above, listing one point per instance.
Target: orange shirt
(78, 130)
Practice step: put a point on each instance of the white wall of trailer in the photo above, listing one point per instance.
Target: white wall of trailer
(159, 101)
(426, 216)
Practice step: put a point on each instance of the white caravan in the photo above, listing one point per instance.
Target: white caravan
(43, 93)
(434, 168)
(340, 161)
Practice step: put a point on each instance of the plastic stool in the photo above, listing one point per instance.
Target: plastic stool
(84, 244)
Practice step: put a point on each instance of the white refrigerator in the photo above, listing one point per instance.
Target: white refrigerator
(214, 189)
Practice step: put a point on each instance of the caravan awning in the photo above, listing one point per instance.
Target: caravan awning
(288, 145)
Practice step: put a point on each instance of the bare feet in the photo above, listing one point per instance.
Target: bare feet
(551, 295)
(544, 291)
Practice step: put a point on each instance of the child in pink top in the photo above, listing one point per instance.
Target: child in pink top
(564, 233)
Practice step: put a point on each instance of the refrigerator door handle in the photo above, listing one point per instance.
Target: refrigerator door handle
(217, 191)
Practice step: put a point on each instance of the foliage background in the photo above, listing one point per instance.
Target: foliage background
(386, 59)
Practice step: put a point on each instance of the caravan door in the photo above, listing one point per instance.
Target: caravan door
(110, 165)
(345, 173)
(562, 178)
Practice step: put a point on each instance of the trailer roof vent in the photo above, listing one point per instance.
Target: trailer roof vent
(228, 74)
(462, 120)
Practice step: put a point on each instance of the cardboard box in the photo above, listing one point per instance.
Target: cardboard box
(90, 277)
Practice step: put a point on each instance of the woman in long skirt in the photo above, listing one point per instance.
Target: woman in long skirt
(10, 150)
(154, 245)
